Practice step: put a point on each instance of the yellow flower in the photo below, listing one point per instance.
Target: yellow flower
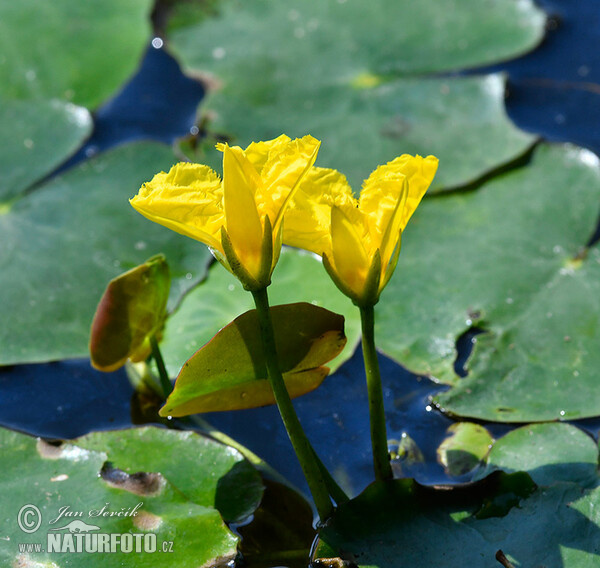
(359, 240)
(239, 217)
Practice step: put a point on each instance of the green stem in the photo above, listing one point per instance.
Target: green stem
(381, 460)
(165, 382)
(300, 443)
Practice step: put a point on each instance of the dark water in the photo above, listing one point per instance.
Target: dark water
(554, 92)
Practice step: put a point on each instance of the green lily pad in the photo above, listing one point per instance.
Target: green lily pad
(62, 244)
(329, 41)
(549, 452)
(230, 372)
(402, 524)
(81, 52)
(36, 136)
(63, 481)
(298, 277)
(465, 447)
(505, 258)
(317, 67)
(228, 483)
(404, 116)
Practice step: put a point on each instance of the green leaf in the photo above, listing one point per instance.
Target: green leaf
(549, 452)
(330, 41)
(205, 472)
(36, 136)
(131, 312)
(52, 478)
(76, 51)
(464, 448)
(505, 258)
(402, 524)
(298, 277)
(63, 242)
(317, 67)
(229, 372)
(414, 116)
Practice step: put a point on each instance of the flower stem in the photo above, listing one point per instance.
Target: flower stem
(165, 382)
(300, 443)
(381, 460)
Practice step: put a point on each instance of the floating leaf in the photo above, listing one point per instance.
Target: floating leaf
(229, 372)
(206, 472)
(64, 241)
(298, 277)
(131, 312)
(318, 67)
(402, 524)
(36, 137)
(511, 259)
(465, 447)
(69, 478)
(76, 51)
(549, 452)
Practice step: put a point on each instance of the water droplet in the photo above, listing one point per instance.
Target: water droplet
(428, 408)
(157, 43)
(583, 71)
(30, 75)
(188, 276)
(140, 245)
(557, 249)
(562, 413)
(509, 300)
(91, 151)
(194, 130)
(549, 314)
(231, 287)
(468, 322)
(28, 143)
(219, 52)
(575, 373)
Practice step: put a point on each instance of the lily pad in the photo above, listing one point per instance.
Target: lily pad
(509, 258)
(80, 52)
(414, 116)
(62, 244)
(298, 277)
(36, 136)
(54, 484)
(318, 67)
(206, 472)
(402, 524)
(230, 372)
(549, 452)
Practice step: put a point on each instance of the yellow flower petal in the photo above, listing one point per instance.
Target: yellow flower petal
(350, 259)
(307, 221)
(282, 173)
(392, 232)
(240, 182)
(418, 171)
(187, 199)
(258, 152)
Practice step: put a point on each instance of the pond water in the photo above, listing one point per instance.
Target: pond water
(554, 92)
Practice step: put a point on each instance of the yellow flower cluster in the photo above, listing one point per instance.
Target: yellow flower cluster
(241, 216)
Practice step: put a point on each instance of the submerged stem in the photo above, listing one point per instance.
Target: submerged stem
(165, 382)
(304, 451)
(381, 460)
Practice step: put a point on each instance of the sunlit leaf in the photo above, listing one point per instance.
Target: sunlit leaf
(76, 51)
(229, 372)
(465, 447)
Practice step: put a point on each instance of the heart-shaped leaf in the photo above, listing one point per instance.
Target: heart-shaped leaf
(229, 372)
